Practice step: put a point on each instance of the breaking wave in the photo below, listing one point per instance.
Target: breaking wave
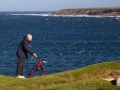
(53, 15)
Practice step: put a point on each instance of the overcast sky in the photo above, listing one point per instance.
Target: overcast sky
(52, 5)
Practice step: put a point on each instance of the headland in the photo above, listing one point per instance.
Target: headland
(101, 11)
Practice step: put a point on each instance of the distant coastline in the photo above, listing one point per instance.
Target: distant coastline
(104, 11)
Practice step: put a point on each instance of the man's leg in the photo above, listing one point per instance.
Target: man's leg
(20, 65)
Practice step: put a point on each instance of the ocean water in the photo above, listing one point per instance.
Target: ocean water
(66, 42)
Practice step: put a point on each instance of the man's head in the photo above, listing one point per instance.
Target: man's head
(29, 37)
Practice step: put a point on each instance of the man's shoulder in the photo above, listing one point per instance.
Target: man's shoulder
(25, 42)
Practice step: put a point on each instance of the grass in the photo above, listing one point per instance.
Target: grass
(87, 78)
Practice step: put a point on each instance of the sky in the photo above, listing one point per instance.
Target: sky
(52, 5)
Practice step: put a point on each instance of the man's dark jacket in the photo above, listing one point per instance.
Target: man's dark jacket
(23, 49)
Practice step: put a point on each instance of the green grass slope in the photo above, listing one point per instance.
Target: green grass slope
(87, 78)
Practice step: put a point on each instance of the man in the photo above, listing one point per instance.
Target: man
(22, 51)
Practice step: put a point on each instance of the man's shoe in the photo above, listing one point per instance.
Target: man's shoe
(19, 76)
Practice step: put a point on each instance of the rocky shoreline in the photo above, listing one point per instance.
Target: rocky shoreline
(107, 11)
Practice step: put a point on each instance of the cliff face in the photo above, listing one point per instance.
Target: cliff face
(112, 11)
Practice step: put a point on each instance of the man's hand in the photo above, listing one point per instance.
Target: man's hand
(35, 55)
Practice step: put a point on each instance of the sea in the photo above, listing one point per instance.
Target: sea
(65, 42)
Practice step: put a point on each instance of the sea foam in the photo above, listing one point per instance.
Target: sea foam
(53, 15)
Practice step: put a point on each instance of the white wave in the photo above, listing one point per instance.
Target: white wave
(81, 51)
(117, 18)
(82, 16)
(31, 14)
(64, 15)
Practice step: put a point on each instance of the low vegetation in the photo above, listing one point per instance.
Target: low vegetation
(87, 78)
(104, 11)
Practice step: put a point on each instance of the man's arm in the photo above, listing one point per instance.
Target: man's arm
(26, 46)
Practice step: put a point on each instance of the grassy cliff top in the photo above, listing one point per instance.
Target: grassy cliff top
(87, 78)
